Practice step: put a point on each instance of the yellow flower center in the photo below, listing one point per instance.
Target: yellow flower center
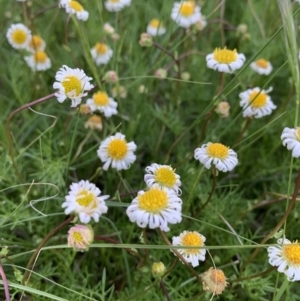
(262, 63)
(292, 253)
(72, 84)
(78, 237)
(95, 119)
(36, 42)
(153, 200)
(187, 8)
(117, 149)
(192, 239)
(298, 134)
(218, 150)
(257, 100)
(76, 6)
(165, 177)
(40, 57)
(217, 276)
(225, 56)
(101, 48)
(114, 1)
(19, 36)
(85, 198)
(100, 99)
(155, 23)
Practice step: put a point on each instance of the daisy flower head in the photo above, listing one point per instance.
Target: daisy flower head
(38, 61)
(156, 28)
(94, 123)
(80, 237)
(103, 103)
(85, 201)
(190, 239)
(224, 158)
(36, 44)
(101, 53)
(286, 256)
(18, 36)
(225, 60)
(71, 83)
(115, 151)
(256, 102)
(185, 13)
(116, 5)
(214, 280)
(155, 208)
(262, 66)
(163, 176)
(74, 8)
(291, 139)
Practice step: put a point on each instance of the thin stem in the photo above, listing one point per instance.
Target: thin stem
(180, 256)
(3, 276)
(266, 272)
(26, 275)
(163, 287)
(8, 132)
(279, 225)
(212, 190)
(245, 128)
(44, 10)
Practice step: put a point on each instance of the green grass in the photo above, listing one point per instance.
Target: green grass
(52, 149)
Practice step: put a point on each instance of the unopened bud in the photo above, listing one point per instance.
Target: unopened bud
(158, 269)
(146, 40)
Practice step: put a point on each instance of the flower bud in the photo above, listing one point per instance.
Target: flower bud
(119, 91)
(146, 40)
(84, 109)
(115, 36)
(241, 29)
(94, 123)
(80, 237)
(185, 76)
(158, 269)
(143, 89)
(108, 29)
(161, 73)
(223, 109)
(111, 77)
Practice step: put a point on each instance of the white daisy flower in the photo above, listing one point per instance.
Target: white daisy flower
(71, 83)
(224, 158)
(286, 256)
(38, 61)
(291, 139)
(116, 5)
(116, 151)
(256, 102)
(18, 36)
(84, 200)
(262, 66)
(190, 239)
(36, 44)
(103, 103)
(156, 28)
(74, 7)
(155, 208)
(101, 53)
(185, 13)
(225, 60)
(163, 176)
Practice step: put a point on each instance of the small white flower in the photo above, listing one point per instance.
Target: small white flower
(116, 151)
(84, 200)
(36, 44)
(225, 60)
(101, 53)
(155, 208)
(103, 103)
(163, 176)
(286, 256)
(38, 61)
(291, 139)
(18, 36)
(256, 102)
(156, 28)
(190, 239)
(71, 83)
(185, 13)
(224, 158)
(74, 7)
(262, 66)
(116, 5)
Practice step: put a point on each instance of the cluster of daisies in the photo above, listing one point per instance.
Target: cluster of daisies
(20, 37)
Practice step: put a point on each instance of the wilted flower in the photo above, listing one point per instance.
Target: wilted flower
(214, 281)
(94, 123)
(222, 109)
